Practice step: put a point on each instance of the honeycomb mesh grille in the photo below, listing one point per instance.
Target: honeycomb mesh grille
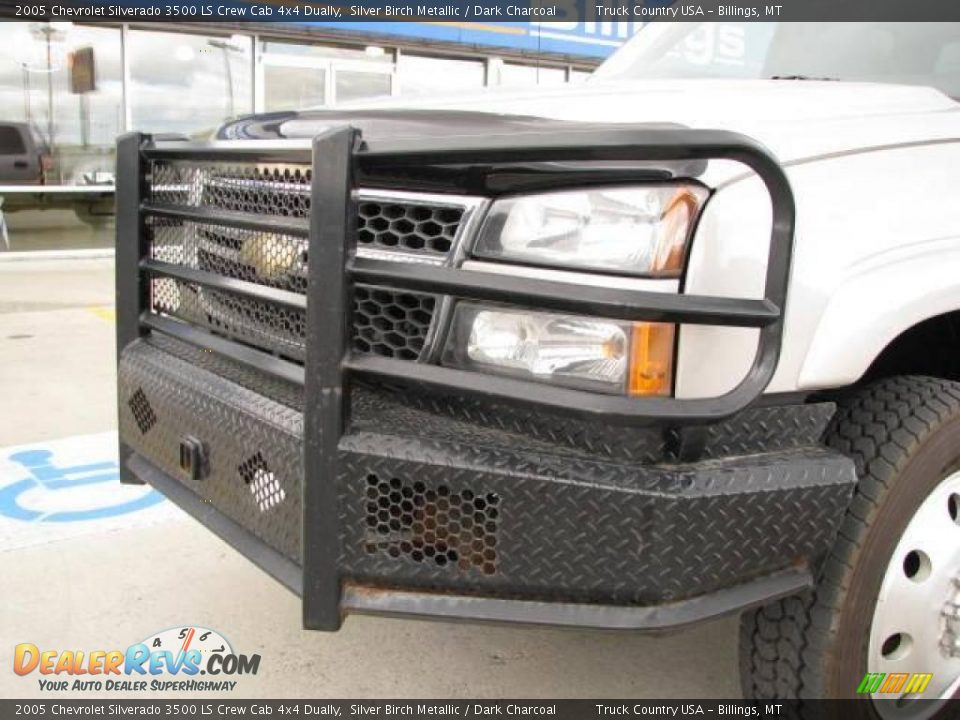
(271, 259)
(404, 226)
(143, 413)
(386, 322)
(389, 323)
(274, 328)
(279, 190)
(418, 227)
(455, 530)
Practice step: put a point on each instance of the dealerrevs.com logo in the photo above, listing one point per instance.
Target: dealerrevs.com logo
(169, 661)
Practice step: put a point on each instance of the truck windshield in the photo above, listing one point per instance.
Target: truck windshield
(901, 53)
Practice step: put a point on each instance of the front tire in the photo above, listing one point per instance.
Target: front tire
(904, 435)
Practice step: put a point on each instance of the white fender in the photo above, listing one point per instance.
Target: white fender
(872, 308)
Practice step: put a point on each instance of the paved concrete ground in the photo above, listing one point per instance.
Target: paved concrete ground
(106, 588)
(56, 342)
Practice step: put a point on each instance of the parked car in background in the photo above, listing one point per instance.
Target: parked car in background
(24, 155)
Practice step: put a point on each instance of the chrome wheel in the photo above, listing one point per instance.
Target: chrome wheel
(916, 623)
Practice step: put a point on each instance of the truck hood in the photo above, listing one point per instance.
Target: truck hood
(797, 120)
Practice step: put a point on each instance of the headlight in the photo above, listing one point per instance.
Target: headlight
(582, 352)
(638, 230)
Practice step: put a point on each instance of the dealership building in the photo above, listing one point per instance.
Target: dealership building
(78, 86)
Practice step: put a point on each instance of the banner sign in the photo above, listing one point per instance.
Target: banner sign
(574, 37)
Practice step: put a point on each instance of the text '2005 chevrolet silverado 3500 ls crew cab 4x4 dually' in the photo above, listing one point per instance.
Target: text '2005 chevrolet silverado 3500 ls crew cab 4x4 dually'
(632, 354)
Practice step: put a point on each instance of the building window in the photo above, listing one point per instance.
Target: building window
(517, 75)
(369, 54)
(294, 76)
(187, 84)
(293, 88)
(361, 84)
(65, 84)
(422, 75)
(514, 74)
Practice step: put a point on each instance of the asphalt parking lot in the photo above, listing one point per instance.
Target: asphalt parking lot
(88, 564)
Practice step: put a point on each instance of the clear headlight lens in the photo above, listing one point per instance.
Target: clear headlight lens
(640, 230)
(582, 352)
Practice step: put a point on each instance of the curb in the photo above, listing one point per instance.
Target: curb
(88, 254)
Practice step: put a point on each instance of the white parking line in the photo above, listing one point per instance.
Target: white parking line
(62, 489)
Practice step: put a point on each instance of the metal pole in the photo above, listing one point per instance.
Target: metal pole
(48, 32)
(227, 48)
(127, 124)
(256, 91)
(26, 96)
(226, 61)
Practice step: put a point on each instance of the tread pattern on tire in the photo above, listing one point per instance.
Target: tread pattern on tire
(784, 646)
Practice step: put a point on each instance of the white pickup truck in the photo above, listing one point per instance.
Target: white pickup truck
(680, 341)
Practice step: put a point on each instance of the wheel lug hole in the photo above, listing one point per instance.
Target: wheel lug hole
(896, 646)
(953, 507)
(917, 566)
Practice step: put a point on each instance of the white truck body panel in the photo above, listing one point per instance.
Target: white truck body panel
(874, 172)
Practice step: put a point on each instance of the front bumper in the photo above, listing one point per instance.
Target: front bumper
(475, 511)
(373, 482)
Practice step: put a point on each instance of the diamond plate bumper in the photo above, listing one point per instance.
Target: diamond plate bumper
(448, 510)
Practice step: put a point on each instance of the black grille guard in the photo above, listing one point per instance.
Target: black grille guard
(336, 157)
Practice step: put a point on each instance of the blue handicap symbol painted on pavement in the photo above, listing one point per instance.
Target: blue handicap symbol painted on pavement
(44, 474)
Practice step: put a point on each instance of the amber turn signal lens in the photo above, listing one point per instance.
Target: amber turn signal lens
(675, 226)
(651, 359)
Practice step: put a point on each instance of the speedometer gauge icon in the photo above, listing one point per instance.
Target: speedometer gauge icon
(180, 640)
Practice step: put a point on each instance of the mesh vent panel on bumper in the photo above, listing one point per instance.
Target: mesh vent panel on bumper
(433, 526)
(489, 516)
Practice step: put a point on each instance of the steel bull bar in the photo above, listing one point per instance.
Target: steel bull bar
(330, 370)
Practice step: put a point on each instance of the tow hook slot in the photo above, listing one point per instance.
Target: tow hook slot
(686, 444)
(193, 458)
